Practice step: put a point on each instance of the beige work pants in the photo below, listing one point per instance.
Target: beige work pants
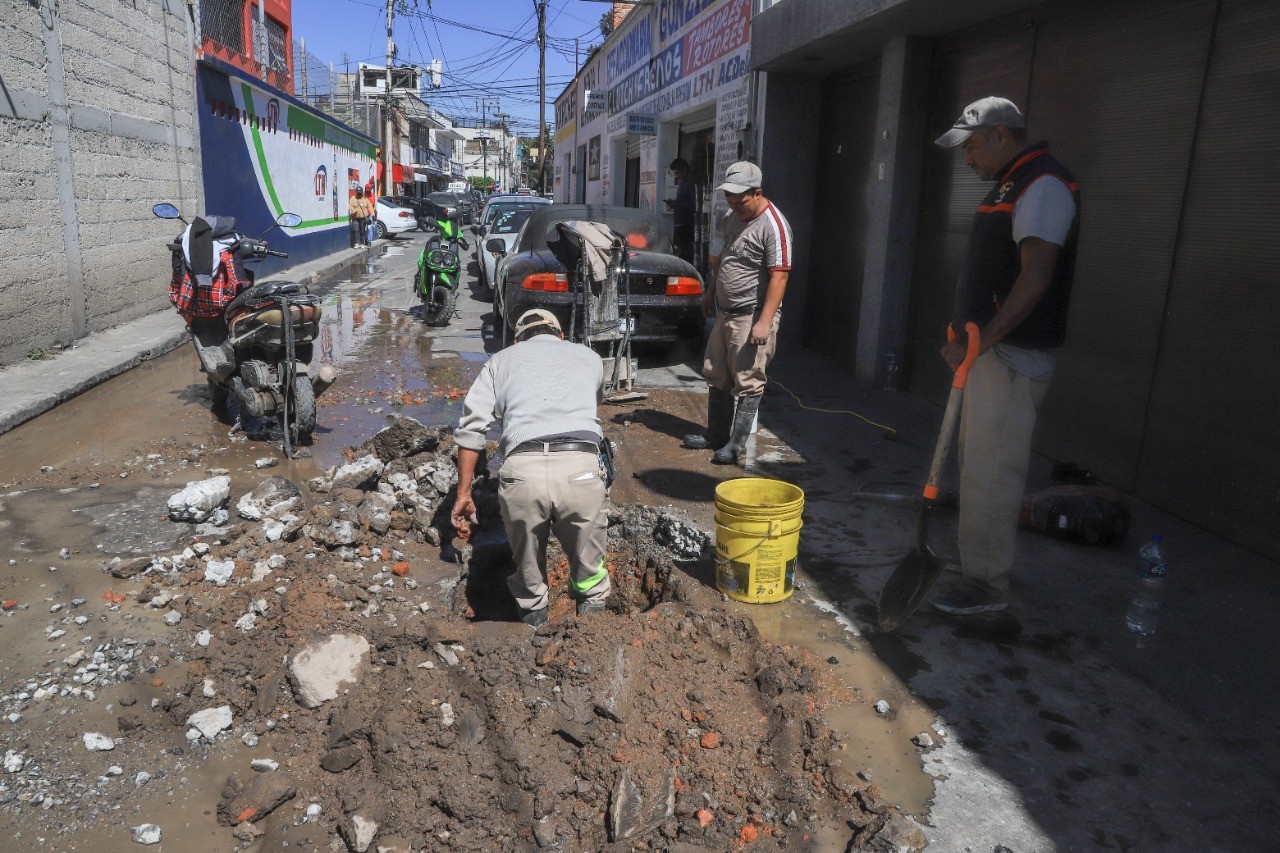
(561, 492)
(996, 424)
(732, 363)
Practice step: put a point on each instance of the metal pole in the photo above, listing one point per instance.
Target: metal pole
(542, 96)
(305, 99)
(484, 144)
(262, 40)
(387, 123)
(502, 152)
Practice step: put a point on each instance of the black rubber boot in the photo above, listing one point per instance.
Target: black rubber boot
(719, 417)
(743, 418)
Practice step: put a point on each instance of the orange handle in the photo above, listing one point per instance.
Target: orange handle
(970, 355)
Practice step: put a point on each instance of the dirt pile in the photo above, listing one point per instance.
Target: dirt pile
(424, 720)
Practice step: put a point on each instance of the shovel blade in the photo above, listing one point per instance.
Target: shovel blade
(907, 587)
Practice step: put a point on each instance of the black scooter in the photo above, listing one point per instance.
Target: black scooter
(253, 340)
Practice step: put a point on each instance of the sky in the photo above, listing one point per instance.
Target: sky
(486, 47)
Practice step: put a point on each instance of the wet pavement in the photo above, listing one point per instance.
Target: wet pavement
(1054, 732)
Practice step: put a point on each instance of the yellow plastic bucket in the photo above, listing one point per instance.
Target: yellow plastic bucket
(758, 525)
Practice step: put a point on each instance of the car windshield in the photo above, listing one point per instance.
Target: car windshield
(510, 221)
(444, 198)
(493, 211)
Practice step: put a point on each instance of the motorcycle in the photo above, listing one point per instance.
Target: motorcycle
(254, 340)
(439, 272)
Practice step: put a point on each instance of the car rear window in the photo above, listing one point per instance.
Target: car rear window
(640, 234)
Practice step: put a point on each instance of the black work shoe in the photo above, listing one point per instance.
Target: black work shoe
(534, 618)
(593, 606)
(719, 422)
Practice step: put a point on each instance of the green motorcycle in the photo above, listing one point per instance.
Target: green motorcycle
(439, 271)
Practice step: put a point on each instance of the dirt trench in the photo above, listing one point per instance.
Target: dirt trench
(664, 723)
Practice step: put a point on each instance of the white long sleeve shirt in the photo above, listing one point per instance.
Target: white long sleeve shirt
(539, 388)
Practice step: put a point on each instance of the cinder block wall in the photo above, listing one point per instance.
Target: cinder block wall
(97, 123)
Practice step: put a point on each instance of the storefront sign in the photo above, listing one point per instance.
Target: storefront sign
(642, 124)
(596, 101)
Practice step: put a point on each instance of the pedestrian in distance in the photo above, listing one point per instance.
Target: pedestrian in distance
(360, 213)
(745, 286)
(545, 392)
(682, 207)
(1016, 286)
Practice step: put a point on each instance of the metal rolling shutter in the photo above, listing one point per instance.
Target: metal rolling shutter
(1211, 453)
(990, 60)
(1115, 91)
(846, 146)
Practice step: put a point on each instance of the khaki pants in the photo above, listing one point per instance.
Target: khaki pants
(561, 492)
(996, 424)
(731, 363)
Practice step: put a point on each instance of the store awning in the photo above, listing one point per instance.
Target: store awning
(401, 174)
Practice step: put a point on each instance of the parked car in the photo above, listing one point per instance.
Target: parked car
(490, 208)
(666, 291)
(425, 210)
(505, 226)
(394, 219)
(454, 203)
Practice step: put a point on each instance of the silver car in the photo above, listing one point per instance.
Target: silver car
(505, 226)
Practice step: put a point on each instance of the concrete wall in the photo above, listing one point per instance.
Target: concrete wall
(97, 118)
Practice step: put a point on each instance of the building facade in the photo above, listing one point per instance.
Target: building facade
(670, 81)
(1164, 112)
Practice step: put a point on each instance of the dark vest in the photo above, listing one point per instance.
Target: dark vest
(993, 261)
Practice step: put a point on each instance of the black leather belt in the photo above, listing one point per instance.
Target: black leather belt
(554, 446)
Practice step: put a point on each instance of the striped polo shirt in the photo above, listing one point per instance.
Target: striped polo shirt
(749, 252)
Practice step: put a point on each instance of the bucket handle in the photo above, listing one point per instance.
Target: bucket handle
(763, 539)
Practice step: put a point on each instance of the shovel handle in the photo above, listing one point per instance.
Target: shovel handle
(970, 354)
(951, 415)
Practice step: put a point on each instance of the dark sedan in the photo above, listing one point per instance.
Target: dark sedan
(666, 292)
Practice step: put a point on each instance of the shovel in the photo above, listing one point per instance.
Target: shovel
(921, 568)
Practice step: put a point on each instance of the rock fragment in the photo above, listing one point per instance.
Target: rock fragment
(318, 669)
(146, 833)
(200, 500)
(358, 831)
(633, 812)
(98, 742)
(211, 721)
(263, 794)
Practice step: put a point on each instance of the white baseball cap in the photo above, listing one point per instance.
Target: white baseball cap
(988, 112)
(741, 177)
(536, 317)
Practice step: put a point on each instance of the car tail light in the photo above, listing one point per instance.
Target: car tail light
(680, 285)
(404, 214)
(553, 282)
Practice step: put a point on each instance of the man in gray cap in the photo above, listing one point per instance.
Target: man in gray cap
(544, 391)
(745, 288)
(1015, 285)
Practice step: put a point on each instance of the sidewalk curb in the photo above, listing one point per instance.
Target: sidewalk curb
(31, 388)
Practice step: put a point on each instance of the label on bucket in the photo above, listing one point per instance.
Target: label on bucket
(763, 585)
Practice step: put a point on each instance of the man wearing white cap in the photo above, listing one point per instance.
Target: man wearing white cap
(544, 391)
(745, 288)
(1015, 285)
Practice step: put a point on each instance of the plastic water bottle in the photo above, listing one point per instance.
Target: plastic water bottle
(1144, 610)
(891, 371)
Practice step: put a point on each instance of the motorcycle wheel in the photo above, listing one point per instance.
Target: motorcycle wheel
(439, 311)
(304, 410)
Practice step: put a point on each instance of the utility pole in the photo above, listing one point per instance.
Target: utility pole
(261, 46)
(305, 99)
(484, 143)
(502, 152)
(387, 123)
(541, 6)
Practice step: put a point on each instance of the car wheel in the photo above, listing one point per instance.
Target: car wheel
(382, 229)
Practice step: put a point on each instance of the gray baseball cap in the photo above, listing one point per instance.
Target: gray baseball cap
(741, 177)
(988, 112)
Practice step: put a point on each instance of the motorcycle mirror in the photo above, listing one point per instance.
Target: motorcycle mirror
(164, 210)
(288, 220)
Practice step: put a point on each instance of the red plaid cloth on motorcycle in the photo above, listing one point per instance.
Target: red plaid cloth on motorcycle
(192, 301)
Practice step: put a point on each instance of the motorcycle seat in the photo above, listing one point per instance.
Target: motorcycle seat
(264, 291)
